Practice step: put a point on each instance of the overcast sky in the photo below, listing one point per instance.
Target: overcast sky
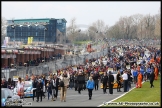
(84, 12)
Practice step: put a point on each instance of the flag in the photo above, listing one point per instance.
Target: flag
(29, 40)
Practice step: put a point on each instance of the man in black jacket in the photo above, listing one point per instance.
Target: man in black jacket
(80, 80)
(118, 78)
(152, 76)
(56, 81)
(75, 82)
(71, 82)
(104, 81)
(95, 78)
(111, 82)
(34, 85)
(39, 90)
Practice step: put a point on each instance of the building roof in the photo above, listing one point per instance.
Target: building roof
(19, 21)
(32, 20)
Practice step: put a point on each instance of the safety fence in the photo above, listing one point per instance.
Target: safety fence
(67, 60)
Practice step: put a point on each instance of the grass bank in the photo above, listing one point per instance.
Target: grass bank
(144, 94)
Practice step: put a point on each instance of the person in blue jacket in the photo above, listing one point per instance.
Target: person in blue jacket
(142, 70)
(90, 86)
(148, 70)
(135, 75)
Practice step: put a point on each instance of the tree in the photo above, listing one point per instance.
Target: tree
(137, 25)
(72, 30)
(149, 24)
(3, 28)
(157, 31)
(97, 29)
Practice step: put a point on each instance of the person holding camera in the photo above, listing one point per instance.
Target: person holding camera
(64, 83)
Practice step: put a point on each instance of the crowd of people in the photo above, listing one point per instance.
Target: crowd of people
(132, 65)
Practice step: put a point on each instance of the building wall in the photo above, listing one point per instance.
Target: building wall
(21, 33)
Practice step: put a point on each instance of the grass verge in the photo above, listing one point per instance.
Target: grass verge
(140, 95)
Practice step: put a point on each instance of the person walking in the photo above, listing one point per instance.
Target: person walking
(20, 87)
(56, 84)
(80, 82)
(44, 88)
(152, 77)
(90, 86)
(135, 75)
(104, 81)
(53, 85)
(148, 70)
(125, 81)
(39, 90)
(139, 79)
(111, 82)
(129, 80)
(118, 77)
(65, 79)
(49, 89)
(34, 85)
(71, 83)
(75, 81)
(95, 78)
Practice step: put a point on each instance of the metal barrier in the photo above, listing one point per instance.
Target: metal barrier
(58, 64)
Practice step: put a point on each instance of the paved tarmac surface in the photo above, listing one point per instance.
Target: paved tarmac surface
(75, 99)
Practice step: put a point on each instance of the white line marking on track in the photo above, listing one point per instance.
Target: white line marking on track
(118, 96)
(92, 95)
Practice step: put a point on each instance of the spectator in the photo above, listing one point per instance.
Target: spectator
(118, 81)
(90, 86)
(111, 82)
(20, 87)
(65, 78)
(49, 89)
(39, 90)
(125, 81)
(152, 77)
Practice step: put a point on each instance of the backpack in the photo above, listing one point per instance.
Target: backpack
(61, 84)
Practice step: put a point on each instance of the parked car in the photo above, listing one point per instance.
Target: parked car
(28, 89)
(7, 94)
